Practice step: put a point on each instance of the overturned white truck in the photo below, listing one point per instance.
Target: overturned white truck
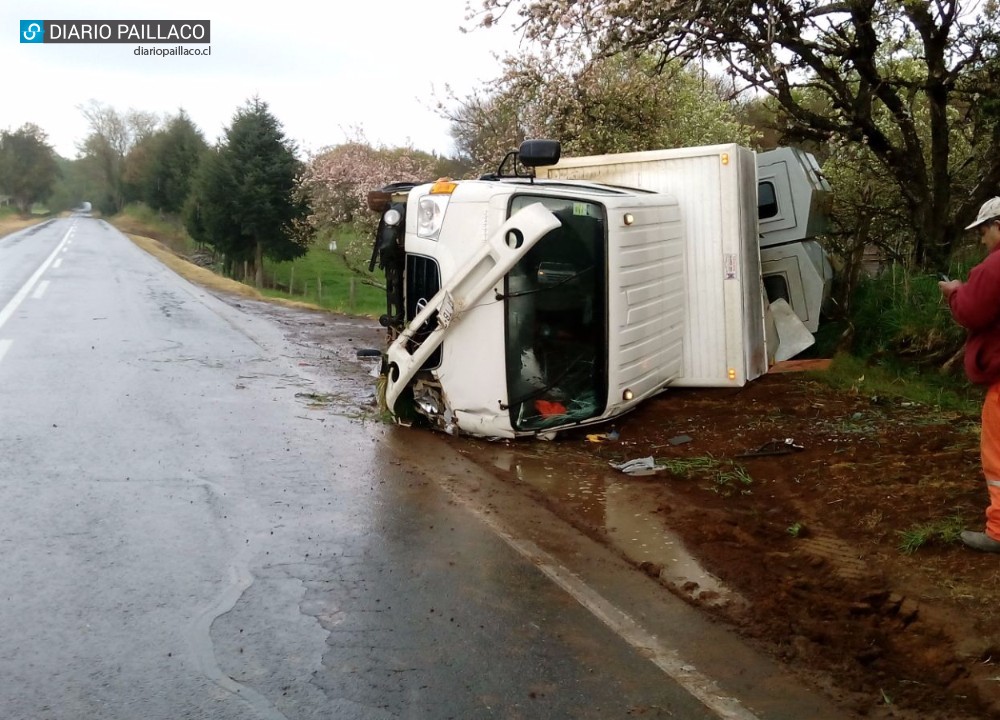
(561, 294)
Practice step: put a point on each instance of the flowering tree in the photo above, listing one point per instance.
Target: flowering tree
(336, 183)
(592, 105)
(882, 67)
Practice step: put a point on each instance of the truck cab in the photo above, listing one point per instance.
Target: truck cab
(510, 315)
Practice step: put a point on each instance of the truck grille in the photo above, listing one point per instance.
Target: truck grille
(423, 280)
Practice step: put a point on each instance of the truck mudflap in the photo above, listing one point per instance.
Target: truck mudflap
(482, 272)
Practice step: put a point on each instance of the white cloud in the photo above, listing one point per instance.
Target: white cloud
(323, 68)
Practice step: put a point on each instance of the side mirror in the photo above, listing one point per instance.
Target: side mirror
(539, 153)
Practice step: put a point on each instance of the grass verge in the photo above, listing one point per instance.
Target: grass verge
(190, 271)
(137, 219)
(321, 279)
(856, 375)
(11, 221)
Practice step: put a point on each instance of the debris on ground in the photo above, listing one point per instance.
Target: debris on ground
(774, 447)
(639, 466)
(609, 436)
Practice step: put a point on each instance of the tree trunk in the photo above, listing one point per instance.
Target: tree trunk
(258, 261)
(855, 259)
(934, 248)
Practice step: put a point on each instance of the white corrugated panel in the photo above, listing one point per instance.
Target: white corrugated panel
(646, 301)
(724, 328)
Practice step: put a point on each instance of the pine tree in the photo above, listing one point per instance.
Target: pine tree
(167, 161)
(243, 201)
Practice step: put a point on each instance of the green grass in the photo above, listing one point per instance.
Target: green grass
(323, 278)
(732, 481)
(946, 392)
(901, 313)
(944, 531)
(724, 476)
(903, 342)
(139, 219)
(687, 467)
(320, 277)
(796, 529)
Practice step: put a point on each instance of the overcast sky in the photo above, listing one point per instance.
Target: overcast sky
(322, 67)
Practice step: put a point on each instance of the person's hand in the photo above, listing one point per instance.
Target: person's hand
(947, 287)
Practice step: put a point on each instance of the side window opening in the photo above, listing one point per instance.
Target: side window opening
(776, 288)
(556, 320)
(767, 200)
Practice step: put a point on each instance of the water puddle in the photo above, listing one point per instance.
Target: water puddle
(620, 508)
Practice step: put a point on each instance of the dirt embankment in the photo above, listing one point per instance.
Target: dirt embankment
(13, 223)
(833, 517)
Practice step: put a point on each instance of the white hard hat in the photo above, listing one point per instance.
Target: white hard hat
(989, 211)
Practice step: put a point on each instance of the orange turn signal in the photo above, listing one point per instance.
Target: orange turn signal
(444, 186)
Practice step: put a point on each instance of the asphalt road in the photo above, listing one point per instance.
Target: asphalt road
(182, 536)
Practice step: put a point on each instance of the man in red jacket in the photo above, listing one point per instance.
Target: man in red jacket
(975, 305)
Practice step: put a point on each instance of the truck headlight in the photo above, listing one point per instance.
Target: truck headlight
(430, 215)
(392, 217)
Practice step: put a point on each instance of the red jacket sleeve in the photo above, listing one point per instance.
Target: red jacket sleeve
(975, 305)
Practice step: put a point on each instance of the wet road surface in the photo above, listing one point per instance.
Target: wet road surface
(186, 533)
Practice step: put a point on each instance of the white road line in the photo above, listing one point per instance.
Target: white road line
(11, 306)
(40, 290)
(4, 347)
(57, 263)
(683, 673)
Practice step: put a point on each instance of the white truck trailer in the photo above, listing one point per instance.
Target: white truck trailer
(524, 303)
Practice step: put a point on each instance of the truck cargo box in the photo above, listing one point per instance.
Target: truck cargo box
(725, 343)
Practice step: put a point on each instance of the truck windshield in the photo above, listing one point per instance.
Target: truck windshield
(556, 320)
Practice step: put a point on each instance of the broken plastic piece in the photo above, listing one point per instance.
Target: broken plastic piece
(639, 466)
(774, 447)
(603, 437)
(679, 439)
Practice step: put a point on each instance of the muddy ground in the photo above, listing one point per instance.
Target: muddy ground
(797, 516)
(812, 540)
